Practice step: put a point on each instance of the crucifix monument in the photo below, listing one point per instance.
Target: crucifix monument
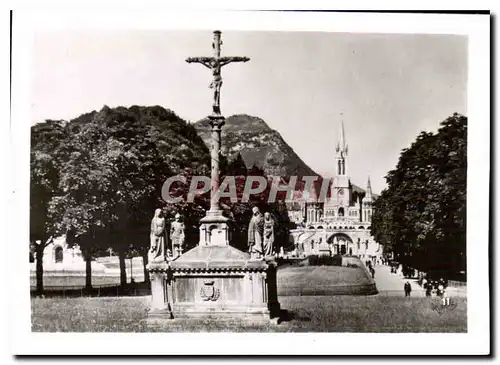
(214, 280)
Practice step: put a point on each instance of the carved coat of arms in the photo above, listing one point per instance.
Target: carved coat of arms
(209, 291)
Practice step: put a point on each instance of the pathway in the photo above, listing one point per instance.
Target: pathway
(393, 284)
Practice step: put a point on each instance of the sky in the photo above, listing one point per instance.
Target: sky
(385, 88)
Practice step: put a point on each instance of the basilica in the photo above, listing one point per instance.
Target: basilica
(341, 222)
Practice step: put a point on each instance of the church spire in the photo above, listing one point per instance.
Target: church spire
(341, 152)
(366, 213)
(341, 144)
(342, 136)
(368, 189)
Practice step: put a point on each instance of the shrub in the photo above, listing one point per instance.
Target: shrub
(337, 260)
(323, 260)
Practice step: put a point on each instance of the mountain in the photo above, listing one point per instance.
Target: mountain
(258, 144)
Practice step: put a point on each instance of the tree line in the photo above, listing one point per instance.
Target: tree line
(421, 216)
(97, 179)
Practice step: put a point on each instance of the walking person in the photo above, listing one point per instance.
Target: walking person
(428, 289)
(407, 288)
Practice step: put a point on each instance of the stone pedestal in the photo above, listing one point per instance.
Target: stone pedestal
(215, 282)
(214, 229)
(159, 274)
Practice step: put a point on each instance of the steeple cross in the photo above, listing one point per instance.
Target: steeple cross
(215, 64)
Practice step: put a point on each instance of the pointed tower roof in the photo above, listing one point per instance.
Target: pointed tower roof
(342, 135)
(369, 189)
(341, 144)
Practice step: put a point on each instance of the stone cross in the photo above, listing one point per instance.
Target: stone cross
(215, 64)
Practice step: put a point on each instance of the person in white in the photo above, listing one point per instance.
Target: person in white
(446, 298)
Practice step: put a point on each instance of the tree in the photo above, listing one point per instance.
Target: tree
(421, 215)
(48, 151)
(237, 166)
(83, 210)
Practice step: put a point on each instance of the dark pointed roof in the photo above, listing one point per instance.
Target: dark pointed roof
(369, 187)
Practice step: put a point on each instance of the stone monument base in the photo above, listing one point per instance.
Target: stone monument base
(216, 283)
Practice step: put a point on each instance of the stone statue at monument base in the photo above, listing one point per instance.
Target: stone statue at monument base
(157, 238)
(177, 236)
(255, 234)
(269, 227)
(157, 266)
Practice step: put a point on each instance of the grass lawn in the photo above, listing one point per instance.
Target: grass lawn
(70, 282)
(323, 280)
(66, 282)
(309, 313)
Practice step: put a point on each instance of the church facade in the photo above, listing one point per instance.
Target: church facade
(341, 223)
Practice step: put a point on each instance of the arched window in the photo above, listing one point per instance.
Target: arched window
(58, 254)
(340, 167)
(341, 212)
(343, 167)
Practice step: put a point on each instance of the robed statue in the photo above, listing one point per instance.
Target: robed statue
(269, 227)
(177, 235)
(256, 234)
(157, 238)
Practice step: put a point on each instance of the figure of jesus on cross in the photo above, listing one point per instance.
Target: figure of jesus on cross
(215, 64)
